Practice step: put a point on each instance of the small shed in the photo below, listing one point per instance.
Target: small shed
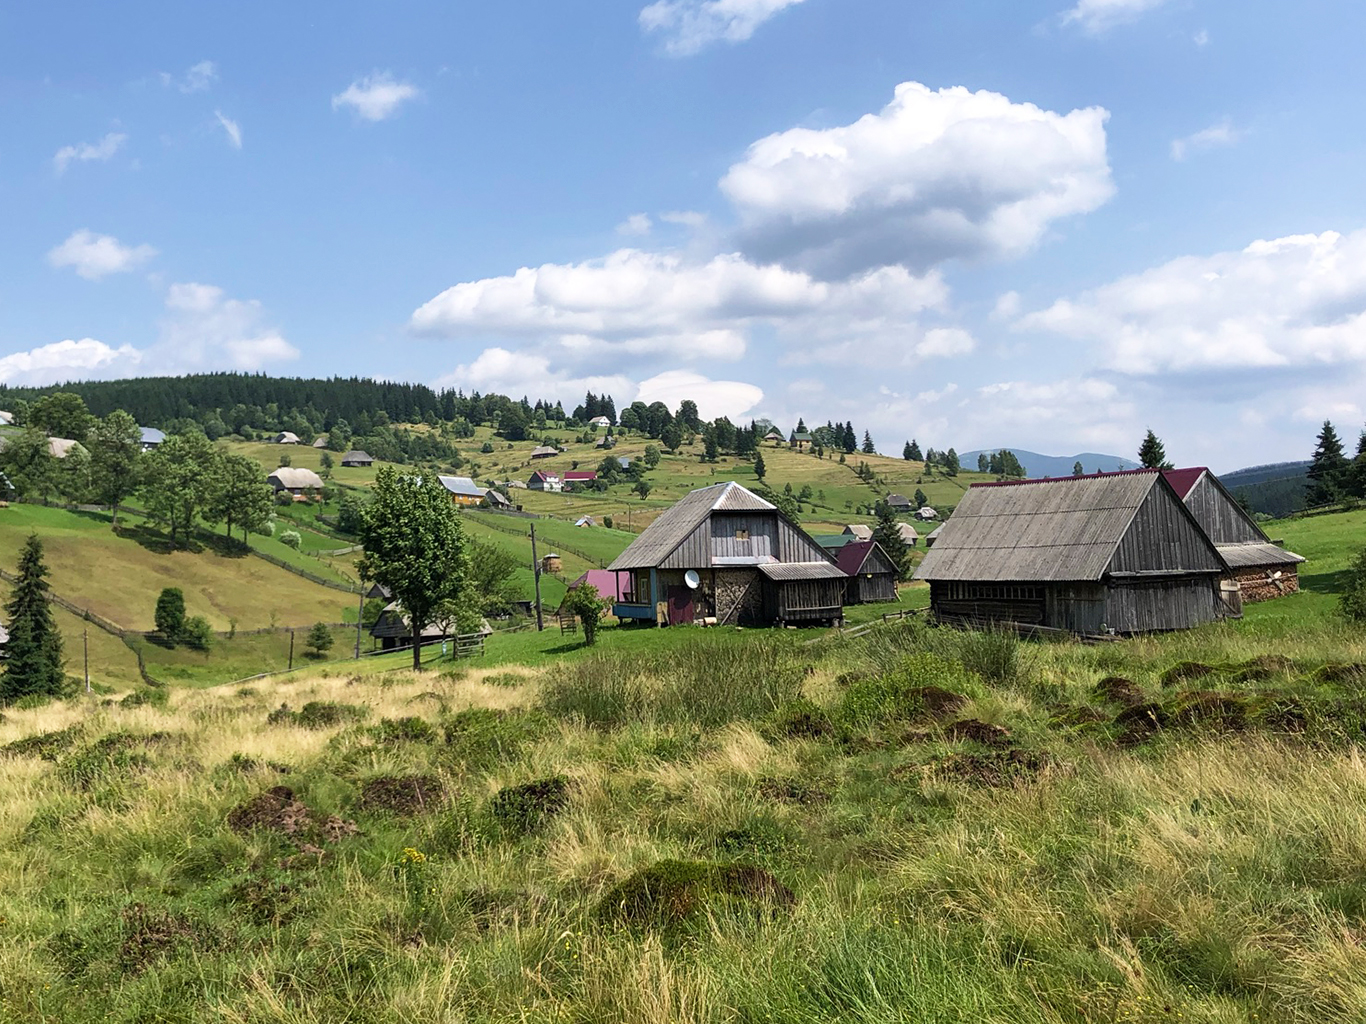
(1115, 552)
(927, 514)
(495, 499)
(775, 436)
(933, 536)
(801, 441)
(624, 462)
(357, 458)
(152, 438)
(392, 629)
(544, 452)
(908, 535)
(1261, 568)
(859, 531)
(321, 441)
(286, 437)
(606, 442)
(551, 564)
(872, 573)
(296, 480)
(585, 521)
(899, 503)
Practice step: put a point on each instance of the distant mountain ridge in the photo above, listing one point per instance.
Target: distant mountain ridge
(1274, 490)
(1037, 466)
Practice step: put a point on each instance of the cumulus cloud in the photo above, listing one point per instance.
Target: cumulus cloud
(714, 398)
(1221, 134)
(1298, 301)
(203, 327)
(376, 97)
(643, 302)
(67, 360)
(935, 175)
(1098, 16)
(95, 256)
(684, 218)
(689, 26)
(86, 151)
(636, 224)
(233, 129)
(945, 342)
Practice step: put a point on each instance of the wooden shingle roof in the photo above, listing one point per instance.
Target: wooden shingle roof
(677, 522)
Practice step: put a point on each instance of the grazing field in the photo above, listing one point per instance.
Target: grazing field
(118, 575)
(708, 826)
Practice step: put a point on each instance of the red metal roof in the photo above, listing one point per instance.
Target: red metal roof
(1182, 480)
(581, 474)
(850, 558)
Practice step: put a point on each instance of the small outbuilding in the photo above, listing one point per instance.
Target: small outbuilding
(357, 459)
(321, 441)
(601, 422)
(1115, 552)
(872, 574)
(61, 447)
(296, 480)
(775, 436)
(927, 514)
(496, 500)
(286, 437)
(908, 535)
(1262, 568)
(859, 531)
(152, 438)
(544, 452)
(585, 521)
(393, 630)
(899, 503)
(800, 441)
(463, 490)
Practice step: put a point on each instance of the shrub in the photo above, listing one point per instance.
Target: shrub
(404, 730)
(291, 539)
(584, 602)
(1352, 600)
(170, 614)
(522, 810)
(319, 639)
(198, 634)
(317, 714)
(923, 686)
(482, 737)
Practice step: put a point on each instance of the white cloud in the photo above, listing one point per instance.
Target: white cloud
(692, 25)
(375, 97)
(198, 78)
(204, 328)
(641, 302)
(1298, 301)
(684, 218)
(67, 360)
(714, 398)
(95, 256)
(233, 129)
(1201, 38)
(1007, 306)
(945, 342)
(636, 224)
(1097, 16)
(102, 150)
(1221, 134)
(933, 176)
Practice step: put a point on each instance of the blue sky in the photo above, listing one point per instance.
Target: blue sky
(1045, 224)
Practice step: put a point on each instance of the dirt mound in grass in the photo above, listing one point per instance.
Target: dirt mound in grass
(277, 811)
(1264, 666)
(1337, 674)
(1077, 715)
(1118, 690)
(978, 732)
(1207, 709)
(527, 808)
(148, 936)
(997, 769)
(1180, 673)
(1140, 722)
(792, 791)
(403, 794)
(670, 893)
(935, 702)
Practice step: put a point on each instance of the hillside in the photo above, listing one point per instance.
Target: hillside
(707, 826)
(1274, 490)
(1037, 466)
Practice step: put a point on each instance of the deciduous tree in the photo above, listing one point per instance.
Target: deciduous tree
(115, 446)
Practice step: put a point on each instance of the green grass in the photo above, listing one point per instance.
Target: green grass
(704, 826)
(119, 575)
(238, 657)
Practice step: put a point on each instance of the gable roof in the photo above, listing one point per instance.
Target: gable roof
(286, 437)
(357, 456)
(607, 584)
(581, 474)
(543, 475)
(544, 452)
(907, 532)
(851, 557)
(859, 531)
(462, 485)
(678, 521)
(297, 478)
(899, 499)
(151, 435)
(321, 441)
(1182, 480)
(1062, 529)
(803, 436)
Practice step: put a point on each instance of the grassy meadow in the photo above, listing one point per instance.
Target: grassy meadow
(705, 826)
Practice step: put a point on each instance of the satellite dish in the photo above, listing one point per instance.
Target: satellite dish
(692, 579)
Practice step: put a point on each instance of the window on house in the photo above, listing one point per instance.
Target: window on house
(742, 535)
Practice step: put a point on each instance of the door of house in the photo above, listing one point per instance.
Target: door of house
(680, 606)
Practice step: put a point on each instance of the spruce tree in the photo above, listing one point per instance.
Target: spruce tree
(915, 455)
(888, 537)
(1151, 453)
(1078, 469)
(1328, 471)
(906, 451)
(868, 448)
(759, 468)
(34, 664)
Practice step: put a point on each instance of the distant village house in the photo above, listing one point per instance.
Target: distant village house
(539, 481)
(463, 490)
(302, 483)
(357, 459)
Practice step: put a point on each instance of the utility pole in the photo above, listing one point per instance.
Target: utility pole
(536, 573)
(85, 645)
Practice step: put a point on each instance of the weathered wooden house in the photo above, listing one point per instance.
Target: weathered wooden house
(358, 459)
(872, 575)
(296, 480)
(1090, 554)
(1262, 568)
(899, 503)
(392, 629)
(801, 441)
(723, 553)
(285, 437)
(859, 531)
(775, 436)
(544, 452)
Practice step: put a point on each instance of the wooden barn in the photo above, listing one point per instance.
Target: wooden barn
(1113, 552)
(872, 575)
(724, 554)
(1261, 567)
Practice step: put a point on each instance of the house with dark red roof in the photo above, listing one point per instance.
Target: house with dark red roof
(872, 574)
(578, 478)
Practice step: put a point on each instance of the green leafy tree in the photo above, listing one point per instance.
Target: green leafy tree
(889, 539)
(759, 468)
(651, 456)
(585, 602)
(688, 417)
(492, 571)
(61, 414)
(34, 653)
(512, 425)
(1329, 470)
(319, 640)
(709, 445)
(28, 463)
(339, 437)
(642, 488)
(115, 446)
(414, 546)
(73, 475)
(671, 437)
(197, 634)
(950, 463)
(1352, 598)
(1078, 469)
(170, 614)
(238, 494)
(177, 483)
(920, 500)
(1152, 454)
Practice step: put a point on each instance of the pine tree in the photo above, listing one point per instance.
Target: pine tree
(759, 468)
(920, 500)
(850, 438)
(34, 664)
(1151, 453)
(906, 451)
(915, 455)
(888, 537)
(1078, 469)
(868, 448)
(1328, 471)
(951, 463)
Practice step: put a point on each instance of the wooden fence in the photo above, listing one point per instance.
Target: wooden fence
(514, 531)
